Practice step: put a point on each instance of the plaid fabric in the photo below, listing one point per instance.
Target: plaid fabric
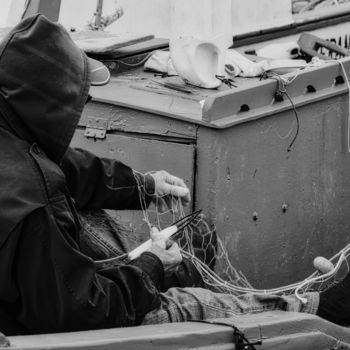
(183, 304)
(103, 237)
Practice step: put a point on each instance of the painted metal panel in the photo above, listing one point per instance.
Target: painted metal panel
(131, 121)
(253, 98)
(276, 210)
(142, 154)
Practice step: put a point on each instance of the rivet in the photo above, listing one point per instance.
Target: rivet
(255, 216)
(284, 207)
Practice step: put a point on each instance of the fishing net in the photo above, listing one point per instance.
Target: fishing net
(200, 244)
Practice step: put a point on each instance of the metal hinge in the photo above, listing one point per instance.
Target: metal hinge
(96, 128)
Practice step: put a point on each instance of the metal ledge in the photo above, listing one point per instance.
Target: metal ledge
(311, 85)
(277, 329)
(307, 21)
(225, 107)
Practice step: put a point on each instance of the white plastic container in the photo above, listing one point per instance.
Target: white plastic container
(196, 61)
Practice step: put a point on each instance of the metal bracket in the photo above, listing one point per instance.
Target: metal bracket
(96, 128)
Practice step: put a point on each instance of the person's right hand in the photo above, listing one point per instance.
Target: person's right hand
(167, 251)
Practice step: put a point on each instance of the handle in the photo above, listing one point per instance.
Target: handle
(167, 233)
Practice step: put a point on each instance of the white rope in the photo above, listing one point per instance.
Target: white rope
(239, 284)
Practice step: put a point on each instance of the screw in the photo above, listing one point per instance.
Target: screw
(255, 216)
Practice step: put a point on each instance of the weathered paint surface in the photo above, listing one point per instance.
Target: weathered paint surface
(142, 154)
(276, 210)
(139, 122)
(277, 329)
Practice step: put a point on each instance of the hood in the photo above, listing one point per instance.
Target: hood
(44, 81)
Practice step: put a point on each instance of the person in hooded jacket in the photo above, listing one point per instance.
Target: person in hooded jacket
(48, 283)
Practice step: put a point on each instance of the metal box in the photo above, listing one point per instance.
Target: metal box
(276, 203)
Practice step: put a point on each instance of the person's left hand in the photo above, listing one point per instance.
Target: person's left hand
(166, 250)
(168, 189)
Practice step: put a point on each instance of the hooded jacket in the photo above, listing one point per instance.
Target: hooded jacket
(47, 284)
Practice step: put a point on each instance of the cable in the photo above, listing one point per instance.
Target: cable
(239, 339)
(298, 122)
(281, 91)
(234, 282)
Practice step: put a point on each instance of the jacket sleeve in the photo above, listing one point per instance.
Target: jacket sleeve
(103, 183)
(61, 290)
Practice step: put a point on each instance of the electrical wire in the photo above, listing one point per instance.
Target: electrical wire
(297, 120)
(282, 91)
(239, 339)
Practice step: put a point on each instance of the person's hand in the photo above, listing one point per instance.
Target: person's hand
(168, 189)
(167, 251)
